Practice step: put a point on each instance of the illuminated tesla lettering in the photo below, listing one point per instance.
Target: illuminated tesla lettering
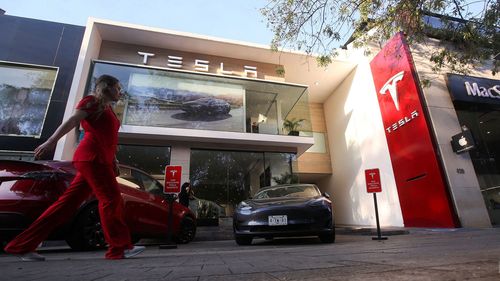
(145, 56)
(390, 86)
(401, 122)
(201, 65)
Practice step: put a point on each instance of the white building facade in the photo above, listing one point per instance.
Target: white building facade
(218, 107)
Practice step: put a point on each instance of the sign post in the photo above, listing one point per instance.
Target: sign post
(373, 185)
(171, 188)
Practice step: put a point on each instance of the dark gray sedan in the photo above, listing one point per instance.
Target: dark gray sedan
(285, 211)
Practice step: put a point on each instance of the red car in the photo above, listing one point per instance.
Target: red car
(28, 188)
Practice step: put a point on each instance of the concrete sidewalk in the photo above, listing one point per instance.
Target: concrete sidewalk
(423, 254)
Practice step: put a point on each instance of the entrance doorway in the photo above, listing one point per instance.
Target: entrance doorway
(484, 122)
(222, 179)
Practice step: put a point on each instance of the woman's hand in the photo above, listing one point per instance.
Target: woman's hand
(116, 168)
(45, 147)
(63, 129)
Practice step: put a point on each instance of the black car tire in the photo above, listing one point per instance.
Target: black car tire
(86, 233)
(243, 240)
(328, 238)
(187, 231)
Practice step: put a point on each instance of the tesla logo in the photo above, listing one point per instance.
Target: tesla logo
(390, 86)
(173, 172)
(372, 175)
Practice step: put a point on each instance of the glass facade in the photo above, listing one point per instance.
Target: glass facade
(25, 92)
(151, 159)
(484, 123)
(225, 178)
(179, 99)
(17, 155)
(156, 97)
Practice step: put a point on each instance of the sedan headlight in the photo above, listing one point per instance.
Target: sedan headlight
(320, 203)
(244, 208)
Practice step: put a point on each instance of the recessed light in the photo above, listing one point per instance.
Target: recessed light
(316, 83)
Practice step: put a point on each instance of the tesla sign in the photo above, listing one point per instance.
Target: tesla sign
(200, 65)
(372, 177)
(172, 179)
(421, 188)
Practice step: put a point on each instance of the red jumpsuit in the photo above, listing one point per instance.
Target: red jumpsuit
(94, 160)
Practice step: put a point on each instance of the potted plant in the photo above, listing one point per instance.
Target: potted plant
(292, 125)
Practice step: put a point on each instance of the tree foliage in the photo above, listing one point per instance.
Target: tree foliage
(317, 26)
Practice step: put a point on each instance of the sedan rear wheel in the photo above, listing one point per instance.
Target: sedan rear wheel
(87, 233)
(187, 231)
(243, 240)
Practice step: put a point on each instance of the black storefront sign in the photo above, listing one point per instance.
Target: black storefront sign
(473, 89)
(462, 142)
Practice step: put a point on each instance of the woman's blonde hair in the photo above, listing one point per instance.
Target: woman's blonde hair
(103, 84)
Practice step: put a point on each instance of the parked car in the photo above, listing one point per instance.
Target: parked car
(28, 188)
(285, 210)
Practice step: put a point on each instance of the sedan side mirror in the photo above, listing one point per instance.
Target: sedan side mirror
(326, 195)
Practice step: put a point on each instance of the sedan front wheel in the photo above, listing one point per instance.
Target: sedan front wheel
(243, 240)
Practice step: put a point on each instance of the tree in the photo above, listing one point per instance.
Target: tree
(317, 26)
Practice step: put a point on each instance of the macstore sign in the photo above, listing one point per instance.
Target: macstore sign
(473, 89)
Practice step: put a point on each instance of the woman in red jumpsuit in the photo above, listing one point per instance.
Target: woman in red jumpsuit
(96, 167)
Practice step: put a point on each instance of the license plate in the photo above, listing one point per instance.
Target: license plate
(278, 220)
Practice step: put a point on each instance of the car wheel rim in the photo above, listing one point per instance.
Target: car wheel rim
(93, 234)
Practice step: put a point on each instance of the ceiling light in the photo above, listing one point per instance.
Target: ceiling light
(316, 83)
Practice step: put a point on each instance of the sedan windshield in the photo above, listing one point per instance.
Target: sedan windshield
(301, 191)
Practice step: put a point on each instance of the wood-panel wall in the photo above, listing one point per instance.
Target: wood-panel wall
(312, 162)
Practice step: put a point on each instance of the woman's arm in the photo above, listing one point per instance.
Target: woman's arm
(115, 166)
(62, 130)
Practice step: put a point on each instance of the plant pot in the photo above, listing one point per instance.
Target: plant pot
(293, 133)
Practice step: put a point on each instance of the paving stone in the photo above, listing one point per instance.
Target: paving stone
(462, 254)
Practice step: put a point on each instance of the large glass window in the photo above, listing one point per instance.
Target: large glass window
(150, 159)
(178, 99)
(25, 92)
(280, 168)
(484, 123)
(17, 155)
(228, 177)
